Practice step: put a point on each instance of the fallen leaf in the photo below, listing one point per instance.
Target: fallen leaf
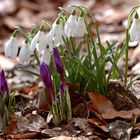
(31, 122)
(100, 102)
(112, 113)
(28, 135)
(82, 124)
(64, 138)
(98, 123)
(120, 130)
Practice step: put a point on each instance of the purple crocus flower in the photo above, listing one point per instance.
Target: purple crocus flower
(4, 87)
(58, 64)
(45, 75)
(3, 83)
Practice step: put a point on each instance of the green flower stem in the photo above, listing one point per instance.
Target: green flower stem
(126, 56)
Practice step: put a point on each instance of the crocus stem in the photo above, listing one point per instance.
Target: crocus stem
(126, 56)
(62, 79)
(51, 94)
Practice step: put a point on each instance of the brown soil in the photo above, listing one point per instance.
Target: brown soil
(122, 98)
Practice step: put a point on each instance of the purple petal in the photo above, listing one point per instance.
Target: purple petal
(4, 87)
(3, 82)
(45, 74)
(57, 61)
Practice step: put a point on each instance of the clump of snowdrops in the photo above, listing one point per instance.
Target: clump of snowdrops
(62, 47)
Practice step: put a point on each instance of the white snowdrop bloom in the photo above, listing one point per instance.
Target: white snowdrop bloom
(41, 44)
(11, 48)
(38, 42)
(56, 34)
(81, 27)
(70, 27)
(135, 30)
(24, 54)
(46, 56)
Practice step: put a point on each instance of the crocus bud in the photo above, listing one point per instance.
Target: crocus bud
(45, 75)
(58, 64)
(3, 82)
(3, 86)
(11, 48)
(57, 61)
(24, 54)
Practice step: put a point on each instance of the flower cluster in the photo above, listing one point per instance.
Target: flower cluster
(59, 110)
(73, 26)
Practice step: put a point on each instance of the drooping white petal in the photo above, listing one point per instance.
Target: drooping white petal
(59, 33)
(55, 34)
(70, 27)
(34, 41)
(46, 56)
(41, 43)
(11, 48)
(135, 30)
(81, 27)
(24, 54)
(49, 38)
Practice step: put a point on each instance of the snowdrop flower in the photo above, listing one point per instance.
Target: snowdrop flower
(56, 34)
(24, 54)
(135, 30)
(11, 48)
(81, 27)
(46, 56)
(38, 42)
(70, 27)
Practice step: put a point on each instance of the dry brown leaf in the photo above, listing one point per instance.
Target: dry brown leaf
(64, 138)
(31, 122)
(29, 135)
(98, 123)
(112, 113)
(100, 102)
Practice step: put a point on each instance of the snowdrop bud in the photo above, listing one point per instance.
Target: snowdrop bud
(55, 34)
(41, 44)
(11, 48)
(81, 27)
(46, 56)
(135, 30)
(34, 42)
(38, 42)
(70, 27)
(24, 54)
